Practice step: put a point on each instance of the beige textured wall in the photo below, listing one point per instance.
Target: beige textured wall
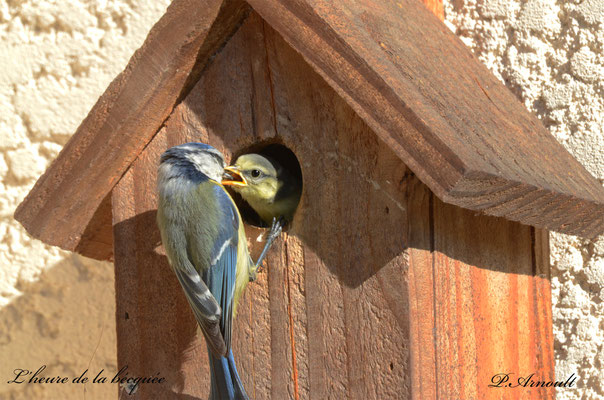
(57, 57)
(551, 55)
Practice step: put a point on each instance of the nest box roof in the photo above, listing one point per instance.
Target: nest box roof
(412, 81)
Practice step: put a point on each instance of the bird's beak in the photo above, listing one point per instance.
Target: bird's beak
(233, 177)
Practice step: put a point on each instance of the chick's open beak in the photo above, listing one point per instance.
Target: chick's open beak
(233, 177)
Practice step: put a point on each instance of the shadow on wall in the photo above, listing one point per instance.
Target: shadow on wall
(155, 303)
(354, 211)
(66, 321)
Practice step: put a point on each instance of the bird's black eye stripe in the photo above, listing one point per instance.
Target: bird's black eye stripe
(217, 157)
(255, 173)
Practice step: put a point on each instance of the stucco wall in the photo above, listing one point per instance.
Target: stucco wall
(56, 59)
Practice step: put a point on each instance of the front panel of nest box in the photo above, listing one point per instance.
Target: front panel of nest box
(332, 296)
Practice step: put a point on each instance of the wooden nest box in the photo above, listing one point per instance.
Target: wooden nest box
(417, 263)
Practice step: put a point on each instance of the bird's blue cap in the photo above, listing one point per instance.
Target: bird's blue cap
(182, 150)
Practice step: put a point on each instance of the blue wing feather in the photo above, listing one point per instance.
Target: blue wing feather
(220, 278)
(221, 275)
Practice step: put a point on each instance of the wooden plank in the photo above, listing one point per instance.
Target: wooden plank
(122, 123)
(282, 371)
(448, 118)
(483, 303)
(97, 238)
(456, 127)
(377, 290)
(357, 349)
(421, 281)
(157, 333)
(436, 7)
(328, 316)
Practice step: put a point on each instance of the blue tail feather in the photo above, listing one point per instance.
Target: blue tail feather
(226, 384)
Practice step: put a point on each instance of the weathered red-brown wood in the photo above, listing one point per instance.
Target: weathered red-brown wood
(60, 209)
(328, 316)
(157, 333)
(401, 70)
(436, 7)
(97, 238)
(480, 302)
(449, 119)
(370, 294)
(472, 328)
(379, 289)
(421, 282)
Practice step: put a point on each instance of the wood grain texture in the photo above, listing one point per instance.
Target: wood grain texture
(448, 118)
(157, 335)
(457, 128)
(122, 123)
(480, 302)
(436, 7)
(377, 290)
(327, 319)
(97, 238)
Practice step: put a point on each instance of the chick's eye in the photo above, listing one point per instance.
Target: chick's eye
(255, 173)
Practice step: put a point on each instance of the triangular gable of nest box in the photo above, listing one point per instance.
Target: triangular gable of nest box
(411, 80)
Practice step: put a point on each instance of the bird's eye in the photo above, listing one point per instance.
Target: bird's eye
(255, 173)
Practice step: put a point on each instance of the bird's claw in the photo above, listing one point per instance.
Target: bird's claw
(276, 228)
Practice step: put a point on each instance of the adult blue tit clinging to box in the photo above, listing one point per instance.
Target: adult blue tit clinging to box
(205, 243)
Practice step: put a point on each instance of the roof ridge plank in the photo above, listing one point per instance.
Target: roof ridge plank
(126, 117)
(450, 120)
(459, 129)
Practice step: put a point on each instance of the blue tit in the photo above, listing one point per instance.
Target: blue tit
(205, 243)
(271, 190)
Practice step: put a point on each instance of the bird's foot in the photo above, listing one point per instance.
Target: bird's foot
(276, 228)
(275, 231)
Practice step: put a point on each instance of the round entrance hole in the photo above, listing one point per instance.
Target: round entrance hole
(282, 156)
